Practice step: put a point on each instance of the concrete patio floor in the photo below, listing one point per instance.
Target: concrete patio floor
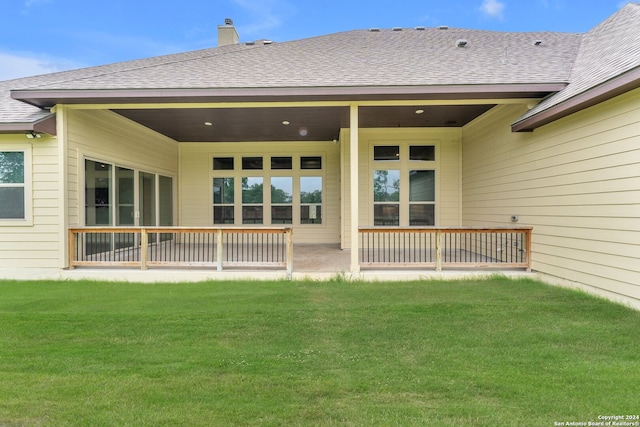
(316, 262)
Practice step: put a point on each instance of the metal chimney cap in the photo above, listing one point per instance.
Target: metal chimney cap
(228, 21)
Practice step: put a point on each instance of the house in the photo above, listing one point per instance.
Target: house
(391, 128)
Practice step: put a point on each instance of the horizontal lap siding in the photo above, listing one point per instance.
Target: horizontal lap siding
(35, 244)
(108, 137)
(576, 181)
(196, 166)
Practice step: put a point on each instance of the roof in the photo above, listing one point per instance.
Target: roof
(420, 63)
(607, 64)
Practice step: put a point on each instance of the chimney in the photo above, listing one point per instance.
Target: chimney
(227, 33)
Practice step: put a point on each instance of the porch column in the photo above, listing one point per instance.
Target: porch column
(353, 180)
(62, 185)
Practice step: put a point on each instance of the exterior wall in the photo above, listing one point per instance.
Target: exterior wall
(196, 182)
(34, 242)
(448, 173)
(576, 181)
(106, 136)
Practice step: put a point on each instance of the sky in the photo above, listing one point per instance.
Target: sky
(43, 36)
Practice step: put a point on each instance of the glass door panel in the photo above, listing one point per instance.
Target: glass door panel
(147, 201)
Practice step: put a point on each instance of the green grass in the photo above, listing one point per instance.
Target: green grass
(495, 353)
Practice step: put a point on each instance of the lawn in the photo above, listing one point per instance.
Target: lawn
(476, 353)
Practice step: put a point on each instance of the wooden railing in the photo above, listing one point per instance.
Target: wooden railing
(146, 247)
(442, 247)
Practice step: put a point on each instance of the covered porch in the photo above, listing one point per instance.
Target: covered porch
(418, 249)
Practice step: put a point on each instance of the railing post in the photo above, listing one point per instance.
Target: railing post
(528, 249)
(144, 246)
(289, 237)
(72, 249)
(219, 249)
(438, 250)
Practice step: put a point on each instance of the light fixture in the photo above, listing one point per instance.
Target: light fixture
(419, 111)
(303, 131)
(286, 122)
(31, 134)
(208, 124)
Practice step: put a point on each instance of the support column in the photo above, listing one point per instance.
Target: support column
(354, 181)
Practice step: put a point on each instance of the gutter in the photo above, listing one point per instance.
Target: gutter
(45, 125)
(603, 92)
(49, 97)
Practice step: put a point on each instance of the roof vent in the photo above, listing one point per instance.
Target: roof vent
(397, 28)
(267, 42)
(443, 27)
(420, 28)
(537, 42)
(374, 30)
(250, 43)
(461, 42)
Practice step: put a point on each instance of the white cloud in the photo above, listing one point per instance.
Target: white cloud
(492, 8)
(266, 15)
(23, 65)
(29, 3)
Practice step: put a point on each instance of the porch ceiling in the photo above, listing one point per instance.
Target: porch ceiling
(304, 123)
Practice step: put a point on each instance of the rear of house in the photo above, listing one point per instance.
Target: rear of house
(547, 137)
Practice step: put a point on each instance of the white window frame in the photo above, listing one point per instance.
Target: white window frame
(27, 185)
(136, 181)
(404, 165)
(296, 172)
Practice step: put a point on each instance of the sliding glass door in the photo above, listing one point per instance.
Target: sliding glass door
(119, 196)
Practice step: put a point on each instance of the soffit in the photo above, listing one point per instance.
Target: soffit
(304, 123)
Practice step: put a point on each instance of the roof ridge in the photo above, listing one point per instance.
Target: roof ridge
(147, 65)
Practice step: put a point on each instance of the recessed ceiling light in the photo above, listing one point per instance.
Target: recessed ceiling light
(208, 124)
(286, 122)
(419, 111)
(303, 131)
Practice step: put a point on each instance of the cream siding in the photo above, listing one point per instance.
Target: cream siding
(448, 173)
(34, 243)
(196, 182)
(576, 181)
(106, 136)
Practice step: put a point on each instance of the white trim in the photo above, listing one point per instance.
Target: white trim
(296, 173)
(27, 221)
(404, 165)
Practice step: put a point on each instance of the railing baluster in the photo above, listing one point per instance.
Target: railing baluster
(445, 246)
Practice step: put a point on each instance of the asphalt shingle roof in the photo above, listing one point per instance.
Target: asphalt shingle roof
(609, 50)
(364, 58)
(353, 58)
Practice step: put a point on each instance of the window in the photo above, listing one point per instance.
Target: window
(252, 163)
(223, 200)
(13, 193)
(252, 200)
(422, 197)
(282, 200)
(272, 190)
(311, 200)
(310, 162)
(403, 184)
(422, 152)
(386, 152)
(386, 197)
(222, 163)
(281, 163)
